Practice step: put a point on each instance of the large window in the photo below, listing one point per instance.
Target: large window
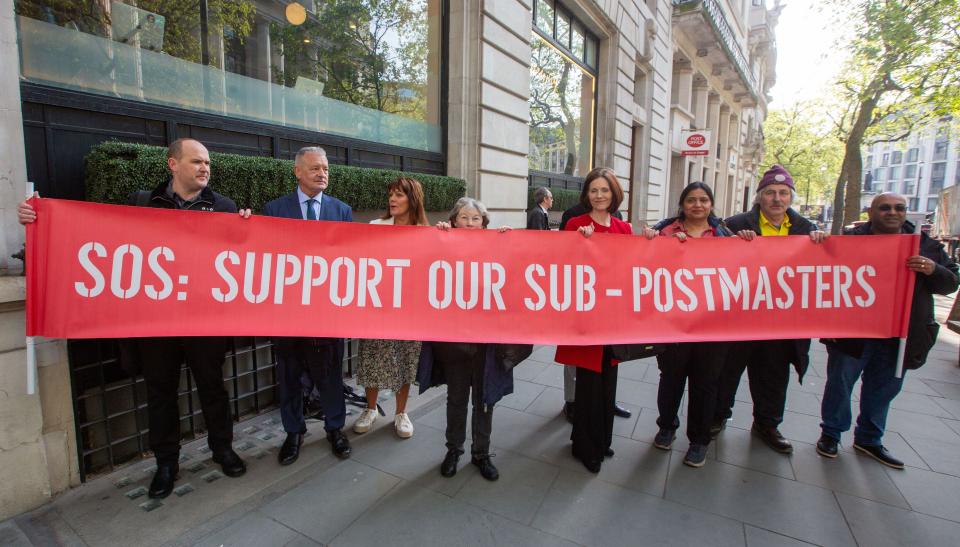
(562, 92)
(366, 69)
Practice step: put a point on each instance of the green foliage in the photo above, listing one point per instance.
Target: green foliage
(799, 138)
(562, 199)
(113, 170)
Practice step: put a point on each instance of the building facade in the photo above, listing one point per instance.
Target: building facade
(918, 167)
(507, 94)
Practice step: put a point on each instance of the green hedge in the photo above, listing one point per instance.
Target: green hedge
(113, 170)
(562, 199)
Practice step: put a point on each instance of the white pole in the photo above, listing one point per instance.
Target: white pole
(31, 345)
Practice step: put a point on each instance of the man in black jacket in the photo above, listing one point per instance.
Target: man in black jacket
(767, 361)
(875, 360)
(160, 358)
(538, 218)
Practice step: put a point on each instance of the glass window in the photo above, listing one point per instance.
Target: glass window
(886, 159)
(576, 40)
(912, 155)
(913, 203)
(561, 112)
(869, 163)
(563, 29)
(896, 158)
(932, 204)
(366, 69)
(895, 173)
(910, 172)
(908, 187)
(937, 175)
(590, 52)
(545, 16)
(940, 150)
(880, 173)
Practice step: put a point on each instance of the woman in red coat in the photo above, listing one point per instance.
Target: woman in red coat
(596, 386)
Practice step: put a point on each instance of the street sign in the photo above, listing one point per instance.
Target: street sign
(694, 142)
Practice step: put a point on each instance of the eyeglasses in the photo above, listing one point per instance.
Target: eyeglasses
(886, 207)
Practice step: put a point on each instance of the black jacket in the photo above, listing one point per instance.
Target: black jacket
(208, 200)
(798, 226)
(923, 328)
(537, 219)
(750, 220)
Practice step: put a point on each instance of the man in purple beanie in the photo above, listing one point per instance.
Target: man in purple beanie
(767, 361)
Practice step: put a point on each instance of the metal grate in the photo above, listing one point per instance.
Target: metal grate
(110, 406)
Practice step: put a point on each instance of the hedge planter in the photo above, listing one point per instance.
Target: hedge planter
(113, 170)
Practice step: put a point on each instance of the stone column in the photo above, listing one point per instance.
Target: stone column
(13, 165)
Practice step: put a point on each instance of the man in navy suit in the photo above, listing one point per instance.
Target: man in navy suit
(321, 356)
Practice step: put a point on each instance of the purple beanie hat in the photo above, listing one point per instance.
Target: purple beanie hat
(776, 175)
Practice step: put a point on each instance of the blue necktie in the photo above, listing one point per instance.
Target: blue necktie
(311, 212)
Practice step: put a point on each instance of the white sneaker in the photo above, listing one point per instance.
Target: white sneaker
(365, 421)
(403, 425)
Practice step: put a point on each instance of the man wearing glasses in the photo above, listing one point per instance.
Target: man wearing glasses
(875, 360)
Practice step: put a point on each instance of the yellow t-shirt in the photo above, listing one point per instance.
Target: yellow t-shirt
(768, 229)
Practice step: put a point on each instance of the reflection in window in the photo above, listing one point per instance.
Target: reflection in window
(561, 112)
(367, 69)
(545, 15)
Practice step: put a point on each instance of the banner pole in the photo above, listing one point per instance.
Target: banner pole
(902, 346)
(31, 343)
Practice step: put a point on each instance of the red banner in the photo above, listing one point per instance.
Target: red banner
(109, 271)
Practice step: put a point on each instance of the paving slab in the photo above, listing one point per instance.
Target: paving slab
(758, 537)
(847, 473)
(879, 525)
(518, 493)
(929, 492)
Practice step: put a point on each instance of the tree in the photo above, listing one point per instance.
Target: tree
(902, 71)
(800, 138)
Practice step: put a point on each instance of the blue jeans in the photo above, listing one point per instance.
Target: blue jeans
(877, 365)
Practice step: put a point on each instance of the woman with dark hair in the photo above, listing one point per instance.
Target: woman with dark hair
(392, 364)
(485, 370)
(596, 385)
(700, 363)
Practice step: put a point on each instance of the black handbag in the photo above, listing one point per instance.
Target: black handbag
(632, 352)
(511, 355)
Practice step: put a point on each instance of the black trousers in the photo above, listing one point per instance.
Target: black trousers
(463, 366)
(768, 365)
(596, 395)
(701, 364)
(160, 359)
(322, 358)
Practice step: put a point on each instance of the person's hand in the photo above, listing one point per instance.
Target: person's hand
(245, 213)
(649, 233)
(681, 236)
(921, 264)
(444, 225)
(586, 231)
(746, 235)
(25, 212)
(504, 229)
(817, 236)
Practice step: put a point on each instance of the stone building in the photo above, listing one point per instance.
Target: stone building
(507, 94)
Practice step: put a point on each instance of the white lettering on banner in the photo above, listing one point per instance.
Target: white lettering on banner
(282, 278)
(398, 264)
(541, 301)
(338, 264)
(232, 287)
(83, 255)
(309, 279)
(116, 275)
(153, 261)
(494, 277)
(831, 288)
(248, 277)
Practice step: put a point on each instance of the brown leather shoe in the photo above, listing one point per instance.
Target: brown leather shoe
(773, 438)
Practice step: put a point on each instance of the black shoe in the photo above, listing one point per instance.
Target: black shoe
(568, 411)
(449, 466)
(716, 427)
(621, 412)
(828, 447)
(771, 435)
(487, 469)
(163, 479)
(290, 450)
(231, 463)
(339, 443)
(879, 453)
(664, 438)
(608, 453)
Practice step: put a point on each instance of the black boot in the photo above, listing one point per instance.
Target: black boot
(449, 466)
(163, 479)
(487, 469)
(231, 463)
(290, 450)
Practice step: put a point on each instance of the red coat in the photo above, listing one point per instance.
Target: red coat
(589, 357)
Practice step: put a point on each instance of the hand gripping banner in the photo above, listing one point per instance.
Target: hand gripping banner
(110, 271)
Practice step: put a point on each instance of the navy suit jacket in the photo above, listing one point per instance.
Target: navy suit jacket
(288, 206)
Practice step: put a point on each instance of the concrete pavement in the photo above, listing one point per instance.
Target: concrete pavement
(391, 492)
